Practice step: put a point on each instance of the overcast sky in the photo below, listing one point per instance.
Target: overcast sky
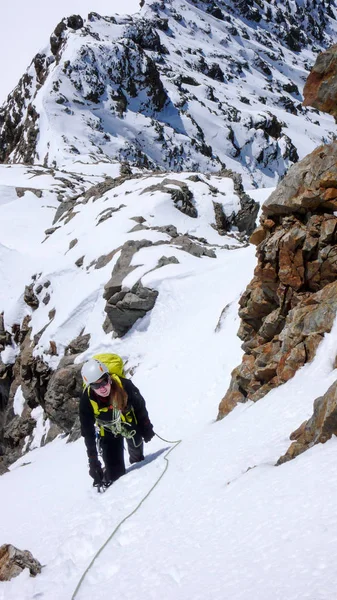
(25, 27)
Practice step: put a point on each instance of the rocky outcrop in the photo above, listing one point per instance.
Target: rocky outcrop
(291, 302)
(13, 561)
(124, 307)
(56, 392)
(63, 394)
(316, 430)
(320, 90)
(180, 193)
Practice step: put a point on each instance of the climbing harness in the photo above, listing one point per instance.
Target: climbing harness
(117, 425)
(176, 444)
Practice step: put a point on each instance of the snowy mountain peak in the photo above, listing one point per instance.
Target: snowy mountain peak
(178, 86)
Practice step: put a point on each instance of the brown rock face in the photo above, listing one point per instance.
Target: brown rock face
(292, 300)
(318, 429)
(320, 90)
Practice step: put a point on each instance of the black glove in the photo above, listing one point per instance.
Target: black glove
(95, 470)
(148, 434)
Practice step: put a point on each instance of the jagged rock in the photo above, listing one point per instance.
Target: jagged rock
(13, 561)
(108, 212)
(78, 345)
(181, 195)
(320, 90)
(138, 227)
(124, 308)
(29, 297)
(46, 299)
(16, 431)
(62, 210)
(309, 185)
(103, 260)
(290, 303)
(51, 230)
(73, 243)
(79, 261)
(20, 192)
(53, 432)
(33, 375)
(318, 429)
(143, 34)
(245, 218)
(62, 396)
(75, 432)
(139, 220)
(222, 222)
(167, 260)
(186, 244)
(57, 37)
(171, 230)
(75, 22)
(5, 336)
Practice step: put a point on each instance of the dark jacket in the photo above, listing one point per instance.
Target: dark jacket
(135, 414)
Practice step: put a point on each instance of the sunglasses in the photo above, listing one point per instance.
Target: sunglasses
(102, 382)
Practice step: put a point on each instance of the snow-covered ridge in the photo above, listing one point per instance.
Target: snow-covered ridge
(179, 86)
(76, 245)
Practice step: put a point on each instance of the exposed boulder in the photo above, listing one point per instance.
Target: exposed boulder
(30, 297)
(63, 394)
(310, 185)
(316, 430)
(320, 90)
(143, 34)
(13, 561)
(78, 345)
(195, 248)
(291, 302)
(124, 308)
(245, 218)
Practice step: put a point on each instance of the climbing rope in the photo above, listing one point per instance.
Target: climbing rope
(176, 443)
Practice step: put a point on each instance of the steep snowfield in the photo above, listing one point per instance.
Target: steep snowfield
(76, 293)
(223, 522)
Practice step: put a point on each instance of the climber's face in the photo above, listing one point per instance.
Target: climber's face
(102, 386)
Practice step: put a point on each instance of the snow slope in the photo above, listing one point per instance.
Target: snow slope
(223, 522)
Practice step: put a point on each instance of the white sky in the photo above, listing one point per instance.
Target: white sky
(25, 28)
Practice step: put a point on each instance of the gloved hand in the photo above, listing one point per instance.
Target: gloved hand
(95, 470)
(148, 434)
